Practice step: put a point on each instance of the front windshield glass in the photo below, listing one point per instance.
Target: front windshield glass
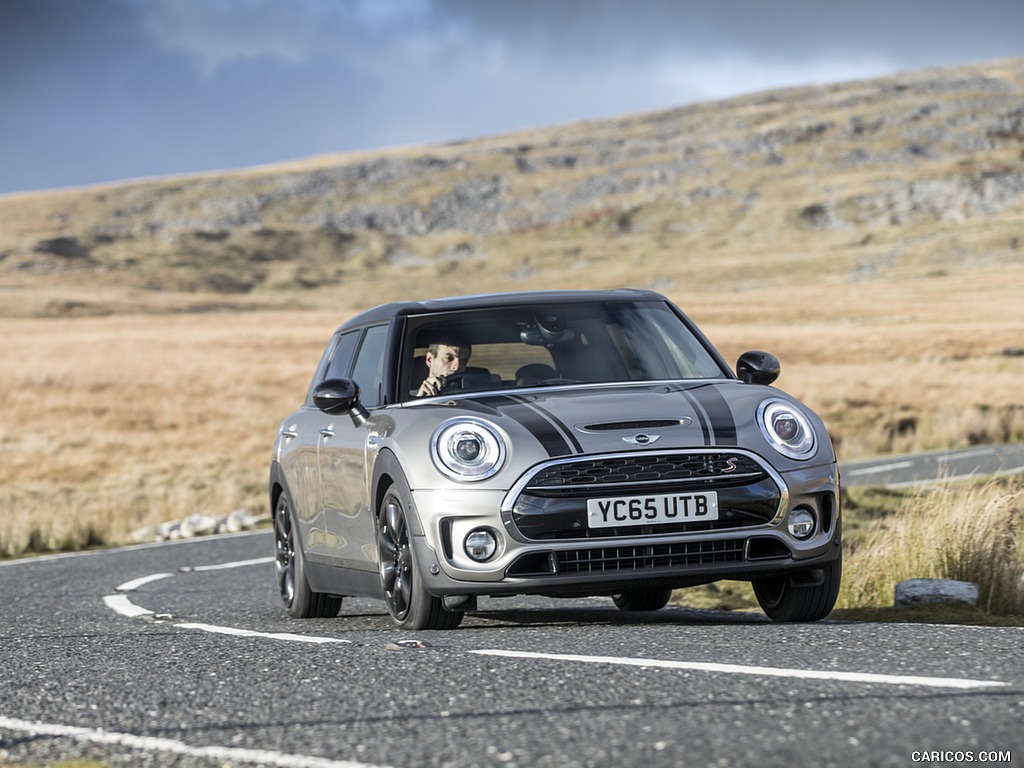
(591, 343)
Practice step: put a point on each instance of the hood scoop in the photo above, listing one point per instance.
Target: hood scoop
(632, 426)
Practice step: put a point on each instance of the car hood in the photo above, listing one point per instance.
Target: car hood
(611, 418)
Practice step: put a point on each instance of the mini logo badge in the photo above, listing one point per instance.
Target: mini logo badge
(641, 439)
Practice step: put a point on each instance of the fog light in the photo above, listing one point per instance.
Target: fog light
(481, 545)
(801, 523)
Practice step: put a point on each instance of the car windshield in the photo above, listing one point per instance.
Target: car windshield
(551, 345)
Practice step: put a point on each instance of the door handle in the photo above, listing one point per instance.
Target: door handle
(327, 432)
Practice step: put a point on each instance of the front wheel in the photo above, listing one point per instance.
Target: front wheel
(290, 567)
(642, 599)
(785, 598)
(410, 605)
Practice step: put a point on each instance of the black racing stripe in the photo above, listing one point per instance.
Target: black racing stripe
(698, 411)
(558, 424)
(722, 422)
(554, 442)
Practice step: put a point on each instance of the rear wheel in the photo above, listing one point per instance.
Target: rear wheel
(642, 599)
(785, 598)
(410, 605)
(290, 566)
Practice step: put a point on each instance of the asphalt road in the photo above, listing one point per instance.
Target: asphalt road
(918, 468)
(180, 655)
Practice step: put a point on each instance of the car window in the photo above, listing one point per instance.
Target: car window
(369, 369)
(341, 360)
(545, 345)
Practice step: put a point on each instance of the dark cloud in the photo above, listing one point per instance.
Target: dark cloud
(100, 90)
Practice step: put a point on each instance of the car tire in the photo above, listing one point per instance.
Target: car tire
(642, 599)
(783, 599)
(410, 605)
(290, 567)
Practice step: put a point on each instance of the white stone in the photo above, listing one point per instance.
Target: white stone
(167, 531)
(197, 525)
(915, 591)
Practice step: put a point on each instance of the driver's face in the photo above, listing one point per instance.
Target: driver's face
(448, 360)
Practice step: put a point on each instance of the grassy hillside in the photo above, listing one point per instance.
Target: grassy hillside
(905, 177)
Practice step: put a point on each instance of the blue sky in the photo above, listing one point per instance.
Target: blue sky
(102, 90)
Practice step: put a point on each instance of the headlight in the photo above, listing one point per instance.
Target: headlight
(468, 449)
(787, 429)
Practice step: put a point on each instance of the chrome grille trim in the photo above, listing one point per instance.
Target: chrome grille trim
(525, 484)
(647, 483)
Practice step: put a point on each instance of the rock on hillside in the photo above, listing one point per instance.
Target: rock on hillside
(914, 173)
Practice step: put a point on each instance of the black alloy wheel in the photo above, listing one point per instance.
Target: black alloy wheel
(410, 605)
(290, 567)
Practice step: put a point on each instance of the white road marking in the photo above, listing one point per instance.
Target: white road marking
(131, 586)
(223, 566)
(968, 454)
(218, 630)
(174, 746)
(879, 468)
(122, 605)
(735, 669)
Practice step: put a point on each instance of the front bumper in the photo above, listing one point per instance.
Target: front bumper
(543, 549)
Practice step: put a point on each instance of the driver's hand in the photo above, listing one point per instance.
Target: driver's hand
(431, 386)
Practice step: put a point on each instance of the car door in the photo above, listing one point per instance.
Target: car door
(302, 435)
(343, 460)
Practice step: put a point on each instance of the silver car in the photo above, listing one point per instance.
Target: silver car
(569, 443)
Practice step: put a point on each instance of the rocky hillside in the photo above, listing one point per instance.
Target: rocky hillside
(915, 174)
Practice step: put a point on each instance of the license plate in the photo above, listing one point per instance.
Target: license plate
(659, 509)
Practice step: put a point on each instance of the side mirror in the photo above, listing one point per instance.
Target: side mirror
(756, 367)
(340, 396)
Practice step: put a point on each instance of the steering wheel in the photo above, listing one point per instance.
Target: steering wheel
(453, 381)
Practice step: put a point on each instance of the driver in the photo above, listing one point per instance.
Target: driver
(443, 360)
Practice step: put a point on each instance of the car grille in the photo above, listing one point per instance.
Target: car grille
(553, 501)
(632, 559)
(613, 559)
(569, 478)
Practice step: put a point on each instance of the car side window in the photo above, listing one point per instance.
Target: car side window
(369, 370)
(341, 360)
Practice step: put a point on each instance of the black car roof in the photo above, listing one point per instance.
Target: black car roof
(386, 312)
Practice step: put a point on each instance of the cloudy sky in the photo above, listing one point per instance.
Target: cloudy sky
(102, 90)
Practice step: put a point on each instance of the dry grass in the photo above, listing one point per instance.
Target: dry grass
(964, 531)
(115, 423)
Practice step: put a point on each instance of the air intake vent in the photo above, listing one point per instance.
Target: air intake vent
(632, 425)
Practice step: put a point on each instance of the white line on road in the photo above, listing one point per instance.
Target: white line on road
(223, 566)
(122, 605)
(218, 630)
(878, 468)
(735, 669)
(131, 586)
(968, 454)
(173, 746)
